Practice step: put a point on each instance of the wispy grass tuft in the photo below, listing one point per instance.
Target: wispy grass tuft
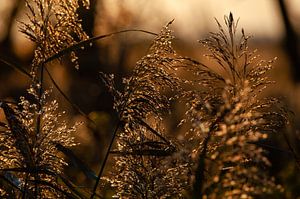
(143, 153)
(229, 115)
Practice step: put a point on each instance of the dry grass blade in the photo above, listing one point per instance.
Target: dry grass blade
(23, 71)
(77, 162)
(19, 133)
(12, 181)
(88, 42)
(16, 67)
(75, 106)
(154, 132)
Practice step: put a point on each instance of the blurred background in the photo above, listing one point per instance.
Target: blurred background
(274, 25)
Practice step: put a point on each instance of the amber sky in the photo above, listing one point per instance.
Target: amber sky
(193, 17)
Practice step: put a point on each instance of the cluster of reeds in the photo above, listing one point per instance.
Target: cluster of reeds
(34, 132)
(221, 155)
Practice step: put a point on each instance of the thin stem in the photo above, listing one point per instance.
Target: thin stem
(40, 93)
(38, 124)
(199, 181)
(105, 160)
(109, 147)
(25, 186)
(291, 148)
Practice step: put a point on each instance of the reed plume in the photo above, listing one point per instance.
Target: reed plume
(143, 162)
(230, 117)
